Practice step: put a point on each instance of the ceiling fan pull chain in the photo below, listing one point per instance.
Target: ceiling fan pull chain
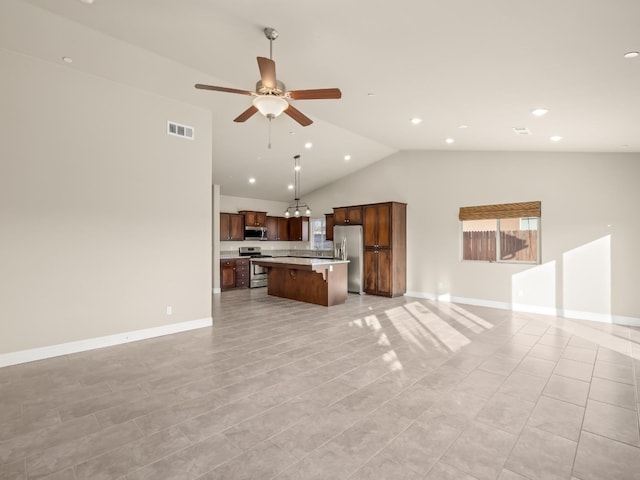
(269, 132)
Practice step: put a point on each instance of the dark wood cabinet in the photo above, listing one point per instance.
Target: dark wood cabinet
(299, 229)
(283, 228)
(234, 273)
(254, 219)
(231, 226)
(377, 225)
(277, 228)
(242, 273)
(347, 215)
(329, 226)
(272, 228)
(227, 274)
(378, 272)
(385, 248)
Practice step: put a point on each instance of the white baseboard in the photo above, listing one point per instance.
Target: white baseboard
(466, 301)
(24, 356)
(601, 317)
(557, 312)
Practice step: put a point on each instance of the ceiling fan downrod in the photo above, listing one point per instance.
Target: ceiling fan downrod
(271, 34)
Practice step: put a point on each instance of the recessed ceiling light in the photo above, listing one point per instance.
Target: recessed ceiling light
(539, 112)
(290, 187)
(308, 145)
(292, 133)
(631, 54)
(371, 94)
(416, 120)
(463, 126)
(555, 138)
(252, 180)
(449, 140)
(67, 59)
(88, 2)
(347, 157)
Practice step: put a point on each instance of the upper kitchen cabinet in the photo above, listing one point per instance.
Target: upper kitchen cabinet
(377, 225)
(347, 215)
(299, 229)
(254, 219)
(385, 248)
(329, 222)
(272, 228)
(277, 228)
(231, 226)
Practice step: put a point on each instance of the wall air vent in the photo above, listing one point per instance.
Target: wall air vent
(179, 130)
(522, 130)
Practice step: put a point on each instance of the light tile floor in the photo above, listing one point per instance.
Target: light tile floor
(375, 389)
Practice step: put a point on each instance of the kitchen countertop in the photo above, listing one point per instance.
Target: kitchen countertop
(327, 254)
(300, 262)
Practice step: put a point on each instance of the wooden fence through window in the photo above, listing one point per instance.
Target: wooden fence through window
(518, 245)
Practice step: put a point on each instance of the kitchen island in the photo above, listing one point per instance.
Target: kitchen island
(313, 280)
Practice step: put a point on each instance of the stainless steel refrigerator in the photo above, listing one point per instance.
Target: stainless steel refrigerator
(348, 244)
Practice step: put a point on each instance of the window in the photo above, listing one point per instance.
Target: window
(507, 232)
(319, 234)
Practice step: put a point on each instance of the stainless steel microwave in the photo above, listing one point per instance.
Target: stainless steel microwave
(255, 233)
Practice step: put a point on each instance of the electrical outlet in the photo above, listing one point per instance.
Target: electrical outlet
(169, 310)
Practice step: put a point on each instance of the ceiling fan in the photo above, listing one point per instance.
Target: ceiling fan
(271, 98)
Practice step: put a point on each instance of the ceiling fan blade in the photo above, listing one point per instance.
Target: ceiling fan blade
(246, 115)
(298, 116)
(223, 89)
(320, 94)
(267, 72)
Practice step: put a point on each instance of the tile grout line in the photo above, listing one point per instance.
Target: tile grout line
(253, 416)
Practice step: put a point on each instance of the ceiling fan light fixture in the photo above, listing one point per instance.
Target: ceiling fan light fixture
(270, 106)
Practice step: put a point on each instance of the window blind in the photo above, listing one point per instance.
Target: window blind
(503, 210)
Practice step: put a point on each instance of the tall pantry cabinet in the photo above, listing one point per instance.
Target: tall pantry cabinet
(385, 248)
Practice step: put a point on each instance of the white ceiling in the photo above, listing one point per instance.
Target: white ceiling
(481, 63)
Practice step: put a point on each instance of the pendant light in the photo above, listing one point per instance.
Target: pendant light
(295, 206)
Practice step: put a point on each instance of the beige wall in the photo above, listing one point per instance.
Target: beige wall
(590, 226)
(231, 204)
(105, 219)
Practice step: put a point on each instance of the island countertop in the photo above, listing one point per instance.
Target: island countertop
(298, 263)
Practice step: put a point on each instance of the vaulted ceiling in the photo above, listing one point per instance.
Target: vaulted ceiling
(472, 70)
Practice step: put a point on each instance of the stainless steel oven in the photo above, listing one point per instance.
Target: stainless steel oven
(257, 274)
